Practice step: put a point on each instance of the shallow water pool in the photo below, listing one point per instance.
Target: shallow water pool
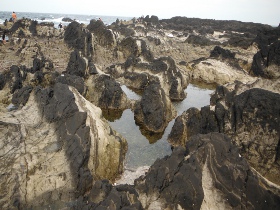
(143, 150)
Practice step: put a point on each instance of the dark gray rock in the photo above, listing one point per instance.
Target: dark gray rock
(192, 122)
(74, 36)
(58, 105)
(112, 96)
(2, 80)
(266, 62)
(185, 23)
(184, 178)
(91, 68)
(103, 35)
(136, 80)
(154, 111)
(219, 52)
(73, 80)
(66, 19)
(77, 65)
(15, 78)
(21, 96)
(165, 67)
(251, 118)
(129, 47)
(49, 24)
(200, 40)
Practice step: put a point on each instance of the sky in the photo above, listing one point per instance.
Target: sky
(258, 11)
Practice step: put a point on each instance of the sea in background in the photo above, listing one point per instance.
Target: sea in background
(57, 18)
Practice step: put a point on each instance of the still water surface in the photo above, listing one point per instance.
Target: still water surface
(143, 150)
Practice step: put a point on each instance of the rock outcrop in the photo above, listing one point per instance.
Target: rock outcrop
(266, 61)
(57, 151)
(154, 110)
(54, 148)
(106, 93)
(208, 174)
(249, 115)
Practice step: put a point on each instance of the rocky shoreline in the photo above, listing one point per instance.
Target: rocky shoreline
(57, 150)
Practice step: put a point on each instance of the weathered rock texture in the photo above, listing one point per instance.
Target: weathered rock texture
(106, 93)
(54, 148)
(209, 174)
(266, 61)
(154, 110)
(249, 116)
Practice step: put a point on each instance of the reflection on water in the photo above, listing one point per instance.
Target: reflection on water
(141, 151)
(196, 97)
(131, 94)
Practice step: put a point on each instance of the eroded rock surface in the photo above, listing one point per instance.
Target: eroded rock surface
(208, 174)
(54, 148)
(154, 110)
(249, 115)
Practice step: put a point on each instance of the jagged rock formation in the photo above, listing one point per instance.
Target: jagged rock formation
(106, 93)
(209, 174)
(192, 122)
(55, 147)
(141, 68)
(266, 60)
(248, 114)
(155, 110)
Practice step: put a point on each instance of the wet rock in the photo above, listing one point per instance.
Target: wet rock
(155, 110)
(201, 175)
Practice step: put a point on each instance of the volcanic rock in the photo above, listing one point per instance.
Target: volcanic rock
(249, 115)
(155, 110)
(106, 93)
(77, 65)
(208, 174)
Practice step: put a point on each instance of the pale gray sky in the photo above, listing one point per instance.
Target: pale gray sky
(258, 11)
